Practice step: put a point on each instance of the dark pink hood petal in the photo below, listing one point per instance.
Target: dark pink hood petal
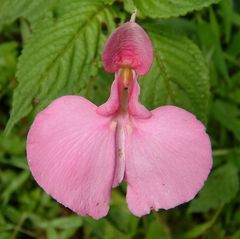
(128, 46)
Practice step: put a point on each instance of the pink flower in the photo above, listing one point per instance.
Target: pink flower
(78, 152)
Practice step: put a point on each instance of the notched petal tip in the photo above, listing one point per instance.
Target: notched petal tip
(128, 46)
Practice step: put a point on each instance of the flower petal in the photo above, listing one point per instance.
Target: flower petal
(135, 108)
(71, 153)
(168, 158)
(128, 46)
(111, 106)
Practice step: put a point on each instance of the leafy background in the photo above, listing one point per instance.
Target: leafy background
(53, 48)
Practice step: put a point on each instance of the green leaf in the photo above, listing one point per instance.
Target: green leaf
(68, 233)
(12, 144)
(61, 58)
(210, 41)
(31, 9)
(157, 228)
(218, 56)
(8, 62)
(52, 233)
(228, 115)
(125, 222)
(72, 221)
(19, 162)
(98, 88)
(220, 188)
(179, 75)
(11, 213)
(167, 8)
(102, 229)
(14, 185)
(200, 229)
(236, 235)
(5, 235)
(227, 14)
(234, 48)
(129, 6)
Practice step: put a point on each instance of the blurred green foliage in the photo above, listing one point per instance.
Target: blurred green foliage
(181, 74)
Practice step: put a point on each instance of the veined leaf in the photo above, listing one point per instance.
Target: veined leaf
(221, 187)
(170, 8)
(179, 75)
(30, 9)
(61, 55)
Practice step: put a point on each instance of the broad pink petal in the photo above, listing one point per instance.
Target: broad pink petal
(168, 158)
(71, 153)
(128, 46)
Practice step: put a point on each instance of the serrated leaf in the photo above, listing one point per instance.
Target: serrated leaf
(179, 75)
(31, 9)
(61, 55)
(173, 8)
(220, 188)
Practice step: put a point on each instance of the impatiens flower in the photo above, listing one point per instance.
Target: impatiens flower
(78, 152)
